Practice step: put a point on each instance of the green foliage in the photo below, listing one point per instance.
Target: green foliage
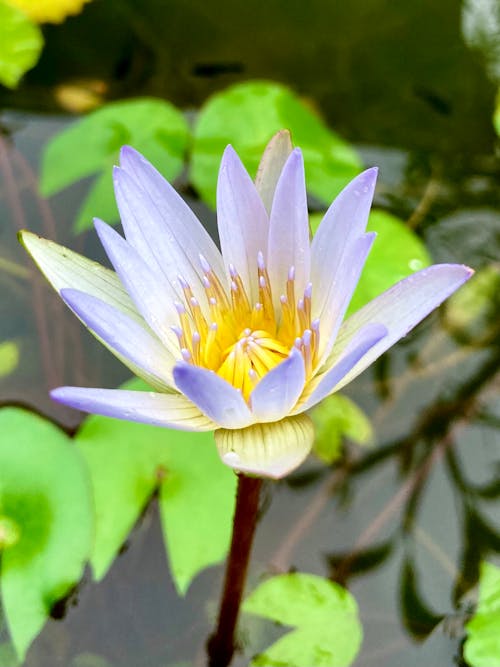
(21, 43)
(496, 115)
(325, 617)
(396, 253)
(9, 357)
(335, 418)
(474, 308)
(46, 510)
(91, 146)
(482, 646)
(128, 461)
(247, 116)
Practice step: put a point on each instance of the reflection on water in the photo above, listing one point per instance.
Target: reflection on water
(403, 525)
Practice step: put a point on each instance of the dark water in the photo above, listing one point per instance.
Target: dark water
(403, 525)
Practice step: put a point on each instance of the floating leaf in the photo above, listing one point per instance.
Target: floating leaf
(51, 11)
(9, 357)
(128, 461)
(45, 495)
(21, 43)
(325, 617)
(91, 146)
(396, 253)
(482, 646)
(474, 308)
(247, 116)
(335, 418)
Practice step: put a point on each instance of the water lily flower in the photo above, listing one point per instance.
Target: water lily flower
(245, 340)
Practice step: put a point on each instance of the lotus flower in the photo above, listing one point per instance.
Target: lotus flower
(245, 340)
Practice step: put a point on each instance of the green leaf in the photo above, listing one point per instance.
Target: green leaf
(45, 494)
(474, 308)
(335, 418)
(496, 115)
(247, 116)
(128, 461)
(396, 253)
(9, 357)
(21, 43)
(91, 146)
(482, 646)
(325, 616)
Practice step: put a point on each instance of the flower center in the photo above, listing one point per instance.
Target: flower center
(241, 342)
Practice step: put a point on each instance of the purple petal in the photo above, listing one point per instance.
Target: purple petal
(289, 229)
(344, 222)
(242, 220)
(171, 410)
(215, 397)
(342, 287)
(400, 308)
(160, 226)
(151, 293)
(132, 342)
(360, 344)
(279, 390)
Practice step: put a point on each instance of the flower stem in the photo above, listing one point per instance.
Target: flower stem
(221, 645)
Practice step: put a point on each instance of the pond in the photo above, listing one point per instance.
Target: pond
(406, 513)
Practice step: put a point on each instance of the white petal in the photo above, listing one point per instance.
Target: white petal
(64, 268)
(344, 222)
(344, 282)
(399, 309)
(268, 450)
(271, 165)
(132, 343)
(289, 230)
(242, 220)
(279, 390)
(171, 410)
(150, 291)
(159, 225)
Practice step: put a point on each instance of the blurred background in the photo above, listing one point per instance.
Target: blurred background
(400, 504)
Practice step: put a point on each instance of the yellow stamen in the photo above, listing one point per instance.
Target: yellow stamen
(242, 344)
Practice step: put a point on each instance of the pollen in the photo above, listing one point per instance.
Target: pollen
(241, 341)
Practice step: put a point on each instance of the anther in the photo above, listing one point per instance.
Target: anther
(186, 354)
(291, 273)
(204, 264)
(260, 261)
(183, 283)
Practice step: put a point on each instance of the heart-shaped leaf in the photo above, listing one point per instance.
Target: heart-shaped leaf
(128, 461)
(247, 116)
(91, 146)
(46, 521)
(325, 617)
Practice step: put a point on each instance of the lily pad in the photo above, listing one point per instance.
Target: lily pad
(335, 418)
(482, 646)
(327, 630)
(397, 253)
(47, 515)
(91, 146)
(21, 43)
(128, 461)
(247, 116)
